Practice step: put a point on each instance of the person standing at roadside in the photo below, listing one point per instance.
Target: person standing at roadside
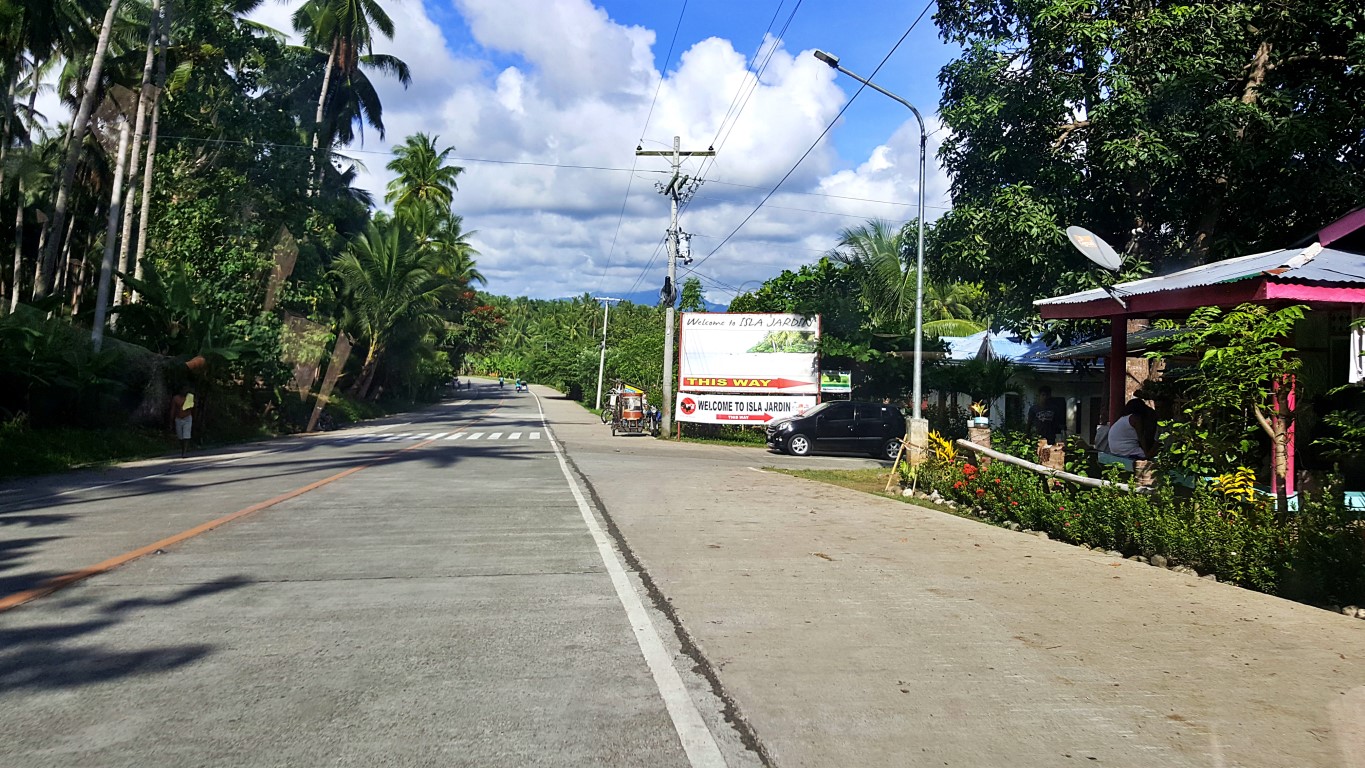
(182, 418)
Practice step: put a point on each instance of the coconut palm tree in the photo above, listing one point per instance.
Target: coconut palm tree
(386, 282)
(874, 252)
(345, 30)
(79, 124)
(423, 175)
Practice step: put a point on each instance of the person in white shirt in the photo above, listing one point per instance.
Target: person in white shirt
(1130, 435)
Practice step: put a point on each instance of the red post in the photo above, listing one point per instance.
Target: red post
(1116, 367)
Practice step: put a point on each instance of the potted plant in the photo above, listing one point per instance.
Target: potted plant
(982, 414)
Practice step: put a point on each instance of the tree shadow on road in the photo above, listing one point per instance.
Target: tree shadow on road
(72, 654)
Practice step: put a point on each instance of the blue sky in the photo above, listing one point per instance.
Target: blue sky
(571, 82)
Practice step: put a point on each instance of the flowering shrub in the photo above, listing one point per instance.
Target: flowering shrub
(1233, 535)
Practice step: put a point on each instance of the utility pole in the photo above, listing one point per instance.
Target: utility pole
(602, 359)
(676, 189)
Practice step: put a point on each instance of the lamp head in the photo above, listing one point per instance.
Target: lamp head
(828, 58)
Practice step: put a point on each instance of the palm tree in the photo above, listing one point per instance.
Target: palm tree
(440, 234)
(56, 224)
(948, 309)
(874, 252)
(386, 282)
(422, 174)
(345, 30)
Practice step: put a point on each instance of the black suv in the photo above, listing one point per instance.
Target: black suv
(841, 426)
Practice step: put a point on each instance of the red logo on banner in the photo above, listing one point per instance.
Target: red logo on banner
(688, 406)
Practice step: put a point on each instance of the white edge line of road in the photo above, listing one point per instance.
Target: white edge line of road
(697, 740)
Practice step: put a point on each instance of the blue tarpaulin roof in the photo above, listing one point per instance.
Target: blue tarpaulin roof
(998, 346)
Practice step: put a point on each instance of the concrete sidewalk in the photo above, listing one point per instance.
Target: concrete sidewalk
(852, 630)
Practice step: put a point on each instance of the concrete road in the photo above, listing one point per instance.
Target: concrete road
(433, 591)
(856, 631)
(447, 589)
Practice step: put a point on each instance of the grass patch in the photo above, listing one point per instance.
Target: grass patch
(723, 441)
(25, 452)
(865, 480)
(871, 481)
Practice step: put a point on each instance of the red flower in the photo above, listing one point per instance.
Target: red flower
(980, 491)
(968, 470)
(1061, 508)
(996, 481)
(1014, 503)
(958, 485)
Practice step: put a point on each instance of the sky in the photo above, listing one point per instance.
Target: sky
(523, 88)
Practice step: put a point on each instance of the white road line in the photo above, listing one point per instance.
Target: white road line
(535, 435)
(495, 436)
(396, 437)
(437, 436)
(475, 435)
(456, 436)
(514, 436)
(697, 740)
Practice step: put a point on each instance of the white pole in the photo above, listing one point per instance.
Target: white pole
(602, 358)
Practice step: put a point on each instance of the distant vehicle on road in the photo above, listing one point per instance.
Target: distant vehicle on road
(841, 426)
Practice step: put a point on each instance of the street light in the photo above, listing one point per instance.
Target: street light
(602, 358)
(833, 62)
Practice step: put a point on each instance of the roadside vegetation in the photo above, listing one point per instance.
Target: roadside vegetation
(196, 225)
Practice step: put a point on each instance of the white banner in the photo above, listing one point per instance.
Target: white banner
(723, 352)
(739, 409)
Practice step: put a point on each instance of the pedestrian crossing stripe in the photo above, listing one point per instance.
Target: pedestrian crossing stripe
(389, 437)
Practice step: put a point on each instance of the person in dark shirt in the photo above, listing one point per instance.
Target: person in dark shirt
(1047, 415)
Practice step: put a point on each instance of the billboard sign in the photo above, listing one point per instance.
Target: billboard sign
(755, 353)
(739, 409)
(836, 382)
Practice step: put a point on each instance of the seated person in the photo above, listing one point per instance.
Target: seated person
(1133, 434)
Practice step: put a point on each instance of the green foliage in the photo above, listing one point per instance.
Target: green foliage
(1201, 129)
(26, 451)
(50, 373)
(1240, 362)
(693, 296)
(1318, 555)
(1329, 548)
(557, 343)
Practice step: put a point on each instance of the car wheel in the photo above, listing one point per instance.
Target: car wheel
(798, 445)
(890, 449)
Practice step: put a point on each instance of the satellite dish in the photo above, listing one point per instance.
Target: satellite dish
(1094, 248)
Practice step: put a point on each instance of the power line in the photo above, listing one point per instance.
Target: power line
(825, 194)
(390, 153)
(635, 159)
(746, 87)
(819, 138)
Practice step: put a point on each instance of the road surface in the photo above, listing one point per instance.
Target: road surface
(497, 581)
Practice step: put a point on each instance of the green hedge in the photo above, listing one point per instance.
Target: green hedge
(1317, 555)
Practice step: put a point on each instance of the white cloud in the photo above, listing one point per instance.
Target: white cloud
(575, 88)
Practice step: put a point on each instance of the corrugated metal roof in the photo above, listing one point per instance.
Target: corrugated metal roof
(1137, 342)
(1313, 264)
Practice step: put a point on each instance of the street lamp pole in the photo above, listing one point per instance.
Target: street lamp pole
(602, 358)
(917, 416)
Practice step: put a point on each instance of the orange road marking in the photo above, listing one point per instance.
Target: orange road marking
(67, 579)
